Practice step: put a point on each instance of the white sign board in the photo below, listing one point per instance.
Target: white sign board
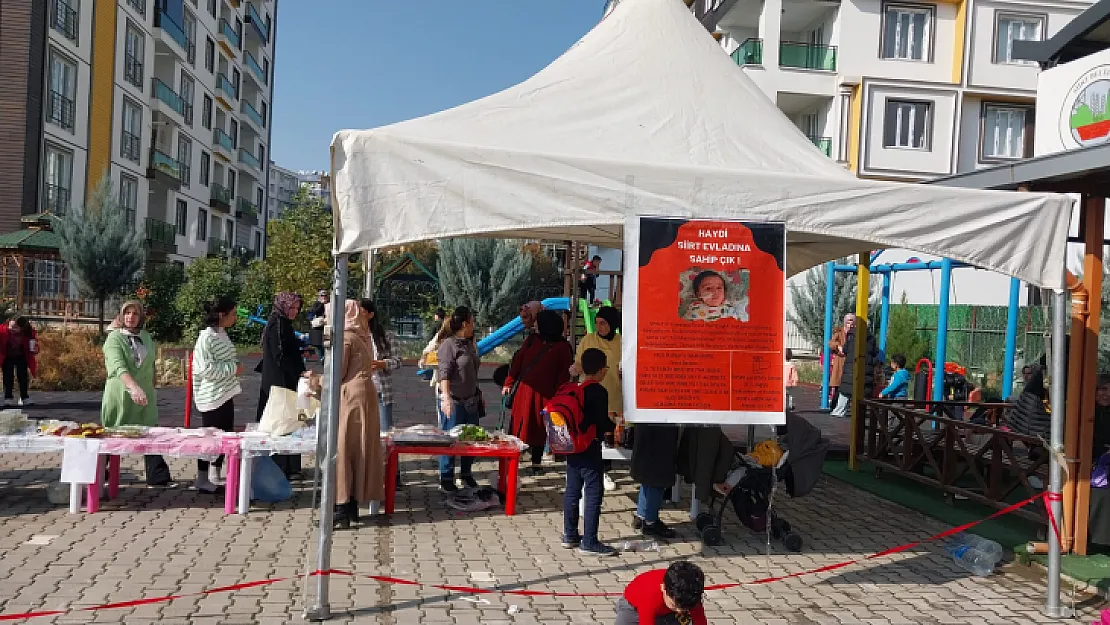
(1072, 102)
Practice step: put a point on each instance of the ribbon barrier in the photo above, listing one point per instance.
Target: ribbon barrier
(1046, 497)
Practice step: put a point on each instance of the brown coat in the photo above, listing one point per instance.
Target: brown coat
(360, 465)
(836, 365)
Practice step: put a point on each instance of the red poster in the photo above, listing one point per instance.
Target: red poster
(709, 322)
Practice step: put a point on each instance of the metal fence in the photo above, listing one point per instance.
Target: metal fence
(977, 334)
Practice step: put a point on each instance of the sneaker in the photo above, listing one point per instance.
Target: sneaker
(571, 543)
(26, 401)
(448, 486)
(597, 549)
(469, 482)
(637, 522)
(608, 482)
(658, 529)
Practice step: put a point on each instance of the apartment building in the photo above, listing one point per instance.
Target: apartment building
(169, 99)
(284, 184)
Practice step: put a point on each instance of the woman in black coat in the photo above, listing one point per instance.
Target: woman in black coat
(654, 458)
(316, 332)
(282, 363)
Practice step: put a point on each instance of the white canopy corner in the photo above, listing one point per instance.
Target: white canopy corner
(646, 116)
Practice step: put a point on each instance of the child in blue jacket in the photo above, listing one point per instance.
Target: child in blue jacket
(899, 386)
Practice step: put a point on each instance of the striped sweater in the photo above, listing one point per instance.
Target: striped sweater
(214, 363)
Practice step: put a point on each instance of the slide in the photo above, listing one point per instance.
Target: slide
(514, 327)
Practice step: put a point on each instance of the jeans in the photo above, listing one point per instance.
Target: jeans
(447, 463)
(649, 503)
(626, 614)
(584, 473)
(15, 367)
(385, 415)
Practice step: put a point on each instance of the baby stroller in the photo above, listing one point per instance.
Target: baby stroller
(799, 469)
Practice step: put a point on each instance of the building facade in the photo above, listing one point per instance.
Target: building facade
(168, 99)
(284, 184)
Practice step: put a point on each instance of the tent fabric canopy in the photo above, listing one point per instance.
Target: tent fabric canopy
(646, 116)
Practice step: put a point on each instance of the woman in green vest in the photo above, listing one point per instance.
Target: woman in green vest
(129, 397)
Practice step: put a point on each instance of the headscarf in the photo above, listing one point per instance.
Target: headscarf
(613, 317)
(285, 302)
(549, 325)
(534, 308)
(355, 322)
(134, 340)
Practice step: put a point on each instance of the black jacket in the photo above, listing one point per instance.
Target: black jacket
(654, 454)
(316, 334)
(871, 360)
(282, 363)
(595, 411)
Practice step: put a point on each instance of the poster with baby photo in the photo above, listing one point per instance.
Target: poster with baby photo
(704, 321)
(711, 295)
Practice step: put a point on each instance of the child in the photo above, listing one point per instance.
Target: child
(899, 382)
(789, 377)
(585, 470)
(671, 595)
(712, 303)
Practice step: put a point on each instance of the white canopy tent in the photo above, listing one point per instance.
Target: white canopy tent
(646, 115)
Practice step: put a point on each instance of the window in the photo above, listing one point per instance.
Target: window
(1004, 135)
(131, 139)
(139, 6)
(264, 113)
(205, 166)
(266, 70)
(188, 87)
(234, 134)
(60, 107)
(258, 244)
(262, 156)
(189, 25)
(209, 55)
(185, 158)
(182, 218)
(57, 180)
(133, 55)
(206, 112)
(235, 80)
(907, 124)
(906, 32)
(202, 224)
(229, 232)
(64, 18)
(259, 198)
(212, 8)
(231, 180)
(1013, 28)
(129, 196)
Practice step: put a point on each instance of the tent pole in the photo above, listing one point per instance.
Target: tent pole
(321, 611)
(863, 292)
(368, 265)
(573, 300)
(1011, 338)
(942, 328)
(884, 317)
(830, 293)
(1059, 366)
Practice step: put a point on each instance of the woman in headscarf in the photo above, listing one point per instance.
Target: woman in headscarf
(359, 464)
(129, 397)
(538, 369)
(607, 339)
(282, 363)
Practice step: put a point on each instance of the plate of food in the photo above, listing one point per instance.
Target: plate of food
(125, 431)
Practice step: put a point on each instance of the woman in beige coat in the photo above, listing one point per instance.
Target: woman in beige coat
(359, 465)
(837, 402)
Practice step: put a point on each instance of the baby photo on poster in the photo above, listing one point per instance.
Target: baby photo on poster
(712, 295)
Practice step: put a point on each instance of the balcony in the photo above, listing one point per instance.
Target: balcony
(221, 198)
(218, 248)
(161, 237)
(256, 72)
(251, 114)
(807, 56)
(258, 24)
(60, 110)
(164, 169)
(129, 147)
(824, 144)
(139, 6)
(167, 101)
(223, 144)
(228, 38)
(254, 167)
(55, 199)
(64, 19)
(749, 53)
(174, 32)
(246, 212)
(133, 70)
(226, 91)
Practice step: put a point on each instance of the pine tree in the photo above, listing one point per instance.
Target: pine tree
(809, 303)
(902, 336)
(486, 275)
(101, 247)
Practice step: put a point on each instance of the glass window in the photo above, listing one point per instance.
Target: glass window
(131, 137)
(906, 32)
(229, 232)
(189, 25)
(259, 197)
(60, 109)
(258, 244)
(205, 166)
(129, 196)
(212, 7)
(1013, 28)
(1004, 131)
(206, 112)
(907, 124)
(185, 158)
(209, 54)
(182, 217)
(188, 88)
(234, 134)
(57, 179)
(202, 224)
(231, 180)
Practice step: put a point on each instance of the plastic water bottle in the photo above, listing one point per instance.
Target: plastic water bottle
(970, 559)
(987, 546)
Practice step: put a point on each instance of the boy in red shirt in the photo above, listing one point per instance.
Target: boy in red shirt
(670, 596)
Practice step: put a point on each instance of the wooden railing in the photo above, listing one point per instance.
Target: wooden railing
(982, 462)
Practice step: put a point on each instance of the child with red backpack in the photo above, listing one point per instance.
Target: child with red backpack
(577, 418)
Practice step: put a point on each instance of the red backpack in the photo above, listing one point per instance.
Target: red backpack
(563, 417)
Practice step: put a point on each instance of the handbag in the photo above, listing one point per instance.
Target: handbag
(516, 383)
(281, 415)
(1100, 474)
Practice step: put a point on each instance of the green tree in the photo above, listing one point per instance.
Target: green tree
(902, 335)
(299, 250)
(809, 303)
(208, 278)
(101, 247)
(486, 275)
(158, 293)
(256, 290)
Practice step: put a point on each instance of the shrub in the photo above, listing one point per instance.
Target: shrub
(158, 293)
(208, 278)
(69, 361)
(257, 290)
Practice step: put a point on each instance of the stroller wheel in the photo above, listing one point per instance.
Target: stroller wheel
(711, 536)
(793, 542)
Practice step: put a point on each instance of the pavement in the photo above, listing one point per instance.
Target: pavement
(151, 543)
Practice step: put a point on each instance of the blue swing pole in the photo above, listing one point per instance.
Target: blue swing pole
(884, 315)
(942, 329)
(830, 278)
(1011, 339)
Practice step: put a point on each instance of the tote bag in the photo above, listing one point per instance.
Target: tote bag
(281, 415)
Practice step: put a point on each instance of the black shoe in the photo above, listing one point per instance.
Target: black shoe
(352, 511)
(536, 470)
(469, 482)
(658, 529)
(637, 522)
(448, 486)
(341, 521)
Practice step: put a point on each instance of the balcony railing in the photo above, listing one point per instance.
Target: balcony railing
(60, 110)
(186, 173)
(139, 6)
(161, 236)
(221, 196)
(129, 146)
(253, 114)
(187, 113)
(218, 247)
(254, 19)
(224, 140)
(133, 70)
(225, 85)
(246, 210)
(749, 53)
(229, 33)
(55, 199)
(164, 163)
(824, 144)
(249, 159)
(173, 29)
(64, 19)
(165, 93)
(807, 56)
(255, 68)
